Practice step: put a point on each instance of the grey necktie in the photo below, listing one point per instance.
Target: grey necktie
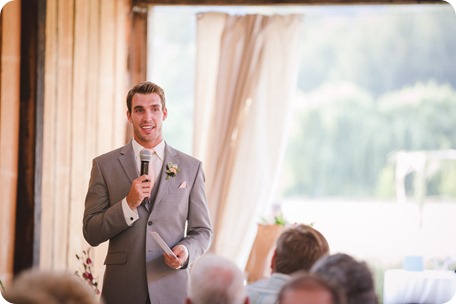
(154, 171)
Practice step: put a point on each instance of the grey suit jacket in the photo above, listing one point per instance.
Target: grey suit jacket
(135, 267)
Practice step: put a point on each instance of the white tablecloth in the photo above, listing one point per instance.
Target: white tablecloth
(428, 286)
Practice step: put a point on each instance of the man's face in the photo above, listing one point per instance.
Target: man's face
(147, 116)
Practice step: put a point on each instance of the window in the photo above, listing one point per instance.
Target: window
(377, 92)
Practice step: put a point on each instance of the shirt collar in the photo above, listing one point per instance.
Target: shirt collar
(159, 149)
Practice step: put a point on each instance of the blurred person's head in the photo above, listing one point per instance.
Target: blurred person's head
(215, 279)
(48, 287)
(298, 248)
(354, 277)
(307, 288)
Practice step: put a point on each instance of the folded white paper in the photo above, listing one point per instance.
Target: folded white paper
(162, 243)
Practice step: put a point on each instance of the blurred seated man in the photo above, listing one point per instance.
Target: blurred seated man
(48, 287)
(307, 288)
(354, 277)
(216, 280)
(298, 248)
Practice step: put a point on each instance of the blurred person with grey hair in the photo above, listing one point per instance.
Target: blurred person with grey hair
(297, 248)
(216, 280)
(49, 287)
(354, 277)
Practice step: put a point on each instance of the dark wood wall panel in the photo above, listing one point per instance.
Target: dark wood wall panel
(27, 239)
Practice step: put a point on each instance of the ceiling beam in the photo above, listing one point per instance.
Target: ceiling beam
(283, 2)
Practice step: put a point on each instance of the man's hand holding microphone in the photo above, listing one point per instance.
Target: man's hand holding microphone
(141, 186)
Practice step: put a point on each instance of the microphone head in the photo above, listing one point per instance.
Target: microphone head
(145, 155)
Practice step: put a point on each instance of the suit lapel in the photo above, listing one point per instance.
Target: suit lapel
(170, 156)
(127, 159)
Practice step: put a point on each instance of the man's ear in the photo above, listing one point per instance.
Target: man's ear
(273, 261)
(165, 113)
(129, 116)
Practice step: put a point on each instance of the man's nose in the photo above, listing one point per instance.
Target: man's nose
(148, 115)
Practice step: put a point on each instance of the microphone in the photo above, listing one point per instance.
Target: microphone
(145, 157)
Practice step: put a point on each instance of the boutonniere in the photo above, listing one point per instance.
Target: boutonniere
(171, 170)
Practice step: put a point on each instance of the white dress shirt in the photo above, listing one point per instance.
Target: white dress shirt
(155, 165)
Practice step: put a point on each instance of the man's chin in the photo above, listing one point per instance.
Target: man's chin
(149, 140)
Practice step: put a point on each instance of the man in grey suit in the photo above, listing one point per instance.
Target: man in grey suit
(125, 208)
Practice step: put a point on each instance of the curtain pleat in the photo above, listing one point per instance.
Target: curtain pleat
(86, 81)
(248, 122)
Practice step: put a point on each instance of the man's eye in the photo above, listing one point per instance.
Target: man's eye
(138, 110)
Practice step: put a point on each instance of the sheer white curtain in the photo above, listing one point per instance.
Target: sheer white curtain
(247, 68)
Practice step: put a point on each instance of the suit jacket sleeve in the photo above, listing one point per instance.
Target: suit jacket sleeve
(103, 215)
(199, 231)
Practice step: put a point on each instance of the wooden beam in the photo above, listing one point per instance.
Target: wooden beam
(10, 27)
(283, 2)
(28, 215)
(39, 131)
(138, 45)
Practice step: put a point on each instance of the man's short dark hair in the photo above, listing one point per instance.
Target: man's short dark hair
(298, 248)
(146, 88)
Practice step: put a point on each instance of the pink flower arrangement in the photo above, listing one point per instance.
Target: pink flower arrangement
(86, 274)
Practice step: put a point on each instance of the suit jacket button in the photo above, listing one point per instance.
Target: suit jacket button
(149, 223)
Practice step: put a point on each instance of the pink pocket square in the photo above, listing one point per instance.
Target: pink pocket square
(183, 185)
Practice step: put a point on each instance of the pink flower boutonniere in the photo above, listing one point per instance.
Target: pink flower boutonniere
(171, 170)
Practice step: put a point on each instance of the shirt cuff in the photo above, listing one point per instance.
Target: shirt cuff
(130, 216)
(185, 264)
